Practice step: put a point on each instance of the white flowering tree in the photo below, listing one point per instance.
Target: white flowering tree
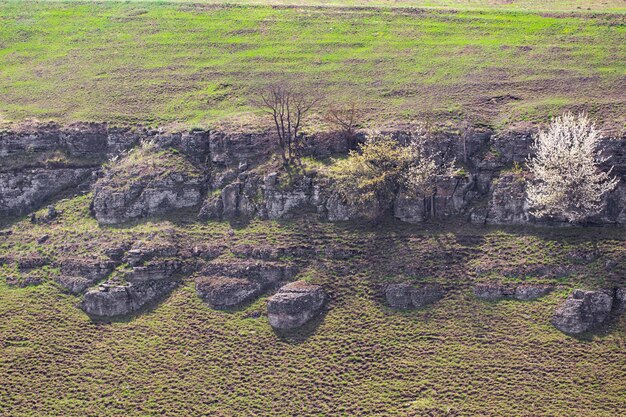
(567, 180)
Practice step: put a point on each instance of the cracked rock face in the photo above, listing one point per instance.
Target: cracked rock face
(78, 274)
(295, 304)
(404, 296)
(224, 292)
(583, 311)
(120, 300)
(147, 182)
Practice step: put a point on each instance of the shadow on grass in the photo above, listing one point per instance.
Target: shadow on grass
(301, 334)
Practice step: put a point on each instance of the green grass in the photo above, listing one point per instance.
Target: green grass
(199, 64)
(460, 357)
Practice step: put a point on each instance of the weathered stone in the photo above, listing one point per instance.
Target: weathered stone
(531, 292)
(399, 296)
(153, 271)
(78, 274)
(404, 295)
(521, 292)
(508, 203)
(492, 292)
(295, 304)
(149, 184)
(121, 300)
(22, 191)
(224, 292)
(267, 274)
(583, 311)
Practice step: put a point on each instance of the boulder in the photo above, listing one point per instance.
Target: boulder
(110, 300)
(404, 295)
(583, 311)
(295, 304)
(399, 296)
(224, 292)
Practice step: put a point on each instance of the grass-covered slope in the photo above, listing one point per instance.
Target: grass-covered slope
(187, 63)
(461, 356)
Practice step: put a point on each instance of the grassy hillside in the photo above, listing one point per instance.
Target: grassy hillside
(189, 64)
(461, 356)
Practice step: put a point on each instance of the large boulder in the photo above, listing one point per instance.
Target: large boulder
(404, 295)
(147, 182)
(110, 300)
(225, 292)
(583, 311)
(295, 304)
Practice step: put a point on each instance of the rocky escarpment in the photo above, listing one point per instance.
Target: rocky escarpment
(491, 191)
(37, 163)
(225, 176)
(295, 304)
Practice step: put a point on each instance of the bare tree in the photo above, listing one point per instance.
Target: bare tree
(346, 118)
(287, 106)
(567, 179)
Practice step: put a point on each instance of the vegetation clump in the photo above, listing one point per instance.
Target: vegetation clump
(568, 181)
(383, 166)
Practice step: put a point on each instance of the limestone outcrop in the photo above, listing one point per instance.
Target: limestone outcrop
(583, 311)
(137, 287)
(218, 172)
(405, 296)
(78, 274)
(147, 182)
(226, 292)
(295, 304)
(110, 300)
(521, 292)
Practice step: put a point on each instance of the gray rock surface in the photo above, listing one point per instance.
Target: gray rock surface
(521, 292)
(145, 184)
(78, 274)
(120, 300)
(583, 311)
(508, 203)
(225, 292)
(404, 295)
(295, 304)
